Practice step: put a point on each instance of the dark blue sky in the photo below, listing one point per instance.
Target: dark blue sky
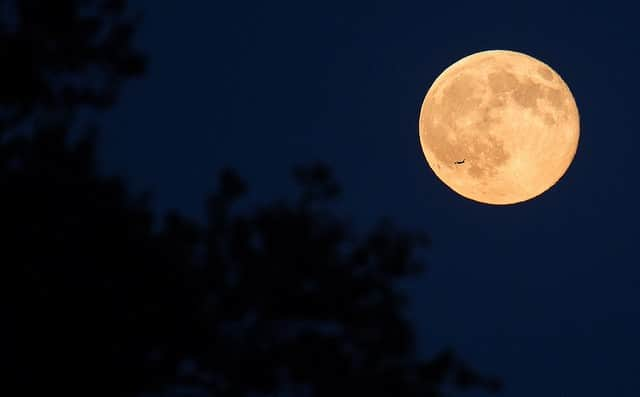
(544, 293)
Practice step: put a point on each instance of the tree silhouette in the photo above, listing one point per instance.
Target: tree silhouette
(282, 299)
(59, 56)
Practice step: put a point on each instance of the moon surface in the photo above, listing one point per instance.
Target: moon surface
(499, 127)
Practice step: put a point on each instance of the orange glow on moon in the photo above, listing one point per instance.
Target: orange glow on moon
(499, 127)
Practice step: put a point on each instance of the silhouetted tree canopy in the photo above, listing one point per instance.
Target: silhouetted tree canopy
(58, 56)
(98, 300)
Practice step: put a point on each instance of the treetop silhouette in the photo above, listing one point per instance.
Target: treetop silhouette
(64, 55)
(281, 299)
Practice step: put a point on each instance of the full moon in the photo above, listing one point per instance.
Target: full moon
(499, 127)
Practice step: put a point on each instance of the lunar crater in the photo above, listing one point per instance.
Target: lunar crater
(545, 73)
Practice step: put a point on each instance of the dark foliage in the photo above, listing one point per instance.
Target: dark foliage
(98, 301)
(58, 56)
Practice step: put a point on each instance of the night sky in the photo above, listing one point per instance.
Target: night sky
(543, 294)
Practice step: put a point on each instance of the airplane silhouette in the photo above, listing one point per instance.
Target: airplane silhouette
(459, 162)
